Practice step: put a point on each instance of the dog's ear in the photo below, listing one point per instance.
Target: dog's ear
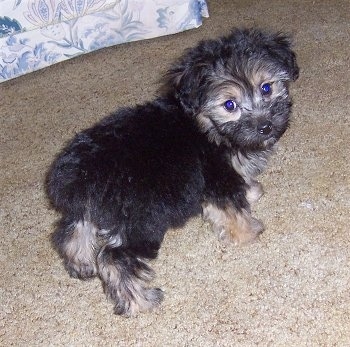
(183, 80)
(187, 78)
(279, 48)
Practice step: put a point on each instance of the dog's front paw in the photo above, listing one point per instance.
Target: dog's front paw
(239, 234)
(244, 229)
(232, 226)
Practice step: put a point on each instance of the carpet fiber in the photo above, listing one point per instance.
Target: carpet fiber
(291, 288)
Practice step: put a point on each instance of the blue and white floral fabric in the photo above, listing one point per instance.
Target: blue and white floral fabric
(38, 33)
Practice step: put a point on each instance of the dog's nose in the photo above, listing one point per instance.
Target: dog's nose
(265, 128)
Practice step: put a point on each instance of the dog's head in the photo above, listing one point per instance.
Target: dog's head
(237, 87)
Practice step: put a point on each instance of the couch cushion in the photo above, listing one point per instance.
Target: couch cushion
(26, 15)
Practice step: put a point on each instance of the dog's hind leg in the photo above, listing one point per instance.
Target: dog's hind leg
(76, 242)
(125, 276)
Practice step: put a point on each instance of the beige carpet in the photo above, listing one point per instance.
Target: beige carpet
(292, 288)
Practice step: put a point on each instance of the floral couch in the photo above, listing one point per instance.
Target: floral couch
(38, 33)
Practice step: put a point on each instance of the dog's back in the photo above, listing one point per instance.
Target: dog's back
(149, 152)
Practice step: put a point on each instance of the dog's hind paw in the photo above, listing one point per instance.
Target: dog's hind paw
(125, 278)
(144, 301)
(82, 270)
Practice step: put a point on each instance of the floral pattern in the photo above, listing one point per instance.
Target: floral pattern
(37, 33)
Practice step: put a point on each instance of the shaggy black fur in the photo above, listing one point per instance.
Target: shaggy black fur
(123, 183)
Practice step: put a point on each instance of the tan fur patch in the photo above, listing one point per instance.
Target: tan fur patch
(214, 110)
(260, 75)
(232, 226)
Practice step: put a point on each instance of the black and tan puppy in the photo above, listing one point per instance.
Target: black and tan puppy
(199, 146)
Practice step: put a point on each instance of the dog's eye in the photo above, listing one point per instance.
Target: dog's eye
(266, 89)
(230, 105)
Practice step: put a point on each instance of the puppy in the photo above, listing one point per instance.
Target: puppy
(198, 147)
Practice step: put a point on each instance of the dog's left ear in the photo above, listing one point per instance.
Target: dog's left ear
(186, 79)
(183, 81)
(279, 47)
